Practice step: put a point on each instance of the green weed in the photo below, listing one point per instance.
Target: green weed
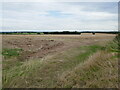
(8, 53)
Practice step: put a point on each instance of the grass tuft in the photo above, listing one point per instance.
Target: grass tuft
(8, 53)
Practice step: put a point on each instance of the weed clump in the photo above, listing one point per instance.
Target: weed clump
(114, 45)
(8, 53)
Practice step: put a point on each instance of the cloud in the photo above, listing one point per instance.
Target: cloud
(61, 1)
(59, 16)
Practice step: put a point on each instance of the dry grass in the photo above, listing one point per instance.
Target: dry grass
(99, 71)
(46, 71)
(75, 65)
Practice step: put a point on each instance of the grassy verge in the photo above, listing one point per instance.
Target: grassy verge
(113, 46)
(89, 51)
(86, 66)
(26, 74)
(10, 57)
(99, 70)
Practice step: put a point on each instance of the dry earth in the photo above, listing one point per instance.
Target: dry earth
(38, 46)
(48, 60)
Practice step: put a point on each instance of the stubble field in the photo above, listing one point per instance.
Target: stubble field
(40, 61)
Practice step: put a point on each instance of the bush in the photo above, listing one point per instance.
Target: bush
(114, 46)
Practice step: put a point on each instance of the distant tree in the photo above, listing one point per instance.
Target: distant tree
(38, 33)
(93, 33)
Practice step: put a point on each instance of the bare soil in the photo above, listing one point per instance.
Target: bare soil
(39, 46)
(53, 61)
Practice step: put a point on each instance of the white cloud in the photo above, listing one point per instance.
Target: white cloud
(26, 16)
(60, 1)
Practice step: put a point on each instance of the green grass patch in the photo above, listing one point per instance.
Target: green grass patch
(114, 46)
(8, 53)
(89, 50)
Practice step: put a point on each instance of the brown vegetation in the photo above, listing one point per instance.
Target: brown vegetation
(68, 61)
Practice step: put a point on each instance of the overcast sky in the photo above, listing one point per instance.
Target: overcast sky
(59, 16)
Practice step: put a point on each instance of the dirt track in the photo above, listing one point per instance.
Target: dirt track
(38, 46)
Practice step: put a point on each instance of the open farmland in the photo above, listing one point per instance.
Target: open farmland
(68, 61)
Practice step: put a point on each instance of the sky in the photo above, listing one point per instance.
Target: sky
(59, 16)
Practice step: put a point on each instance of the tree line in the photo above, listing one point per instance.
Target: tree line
(63, 32)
